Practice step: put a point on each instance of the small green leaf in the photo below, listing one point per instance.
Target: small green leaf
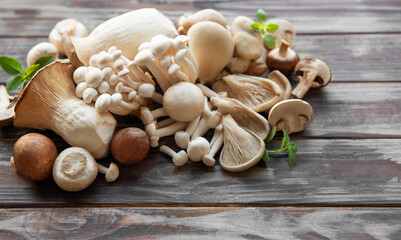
(45, 60)
(287, 138)
(283, 143)
(269, 41)
(271, 135)
(292, 158)
(261, 15)
(30, 71)
(266, 157)
(271, 27)
(256, 26)
(14, 83)
(10, 65)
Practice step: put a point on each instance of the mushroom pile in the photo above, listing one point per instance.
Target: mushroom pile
(210, 77)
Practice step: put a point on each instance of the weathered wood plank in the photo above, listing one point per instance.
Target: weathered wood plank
(328, 172)
(342, 110)
(201, 223)
(36, 18)
(351, 57)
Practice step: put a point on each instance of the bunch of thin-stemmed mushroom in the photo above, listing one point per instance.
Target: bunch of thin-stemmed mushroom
(179, 83)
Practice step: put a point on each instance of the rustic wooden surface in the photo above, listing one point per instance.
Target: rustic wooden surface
(346, 184)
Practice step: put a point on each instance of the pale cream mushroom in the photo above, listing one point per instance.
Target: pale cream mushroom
(156, 133)
(242, 149)
(197, 148)
(258, 66)
(215, 144)
(257, 93)
(7, 105)
(209, 119)
(40, 50)
(285, 31)
(311, 72)
(179, 159)
(291, 115)
(185, 22)
(182, 138)
(70, 27)
(49, 102)
(74, 169)
(281, 80)
(111, 173)
(212, 46)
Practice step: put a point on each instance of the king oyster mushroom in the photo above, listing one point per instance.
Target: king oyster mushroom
(311, 72)
(126, 32)
(186, 21)
(291, 115)
(49, 102)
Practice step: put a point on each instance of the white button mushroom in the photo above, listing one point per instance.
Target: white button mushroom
(40, 50)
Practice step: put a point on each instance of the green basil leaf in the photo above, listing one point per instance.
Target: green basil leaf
(30, 71)
(15, 83)
(271, 27)
(266, 157)
(287, 138)
(10, 65)
(271, 135)
(45, 60)
(256, 26)
(269, 41)
(261, 15)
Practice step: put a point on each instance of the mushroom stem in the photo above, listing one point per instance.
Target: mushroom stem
(111, 172)
(166, 122)
(182, 138)
(305, 82)
(209, 119)
(208, 159)
(207, 91)
(171, 129)
(160, 112)
(178, 159)
(283, 48)
(158, 98)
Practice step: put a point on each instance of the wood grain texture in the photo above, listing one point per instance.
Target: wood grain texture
(328, 172)
(201, 223)
(309, 17)
(352, 58)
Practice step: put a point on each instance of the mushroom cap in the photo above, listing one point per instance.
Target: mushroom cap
(257, 93)
(182, 139)
(291, 115)
(180, 158)
(40, 50)
(314, 65)
(212, 46)
(286, 30)
(130, 145)
(242, 149)
(74, 169)
(282, 58)
(68, 26)
(281, 80)
(183, 101)
(248, 42)
(187, 20)
(34, 155)
(112, 172)
(6, 108)
(197, 148)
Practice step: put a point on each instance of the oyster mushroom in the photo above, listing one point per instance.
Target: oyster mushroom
(49, 102)
(291, 115)
(212, 46)
(185, 22)
(242, 149)
(7, 105)
(258, 66)
(281, 80)
(311, 72)
(74, 169)
(257, 93)
(285, 31)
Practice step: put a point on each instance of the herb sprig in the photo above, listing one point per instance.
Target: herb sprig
(265, 29)
(22, 78)
(286, 146)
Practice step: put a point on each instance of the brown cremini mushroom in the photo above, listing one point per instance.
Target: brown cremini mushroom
(130, 145)
(6, 107)
(33, 156)
(311, 72)
(283, 59)
(291, 115)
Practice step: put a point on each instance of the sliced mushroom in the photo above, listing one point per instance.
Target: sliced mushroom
(286, 31)
(257, 93)
(242, 149)
(281, 80)
(185, 22)
(6, 108)
(311, 72)
(244, 116)
(291, 115)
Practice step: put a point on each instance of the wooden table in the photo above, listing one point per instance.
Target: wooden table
(346, 184)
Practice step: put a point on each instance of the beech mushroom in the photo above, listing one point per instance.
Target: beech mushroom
(178, 159)
(257, 93)
(212, 46)
(182, 138)
(33, 156)
(6, 108)
(242, 149)
(311, 72)
(215, 144)
(126, 32)
(49, 102)
(130, 145)
(209, 119)
(197, 148)
(281, 80)
(291, 115)
(185, 22)
(70, 27)
(111, 173)
(74, 169)
(285, 31)
(283, 59)
(40, 50)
